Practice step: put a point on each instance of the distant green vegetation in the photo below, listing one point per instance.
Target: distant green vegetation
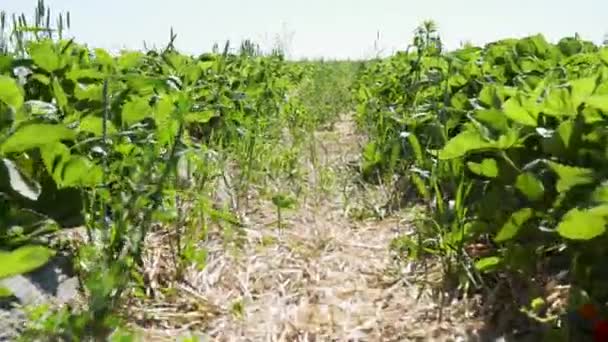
(327, 93)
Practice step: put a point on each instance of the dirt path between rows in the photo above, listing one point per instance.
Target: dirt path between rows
(324, 277)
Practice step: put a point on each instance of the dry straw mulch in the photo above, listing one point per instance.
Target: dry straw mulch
(324, 277)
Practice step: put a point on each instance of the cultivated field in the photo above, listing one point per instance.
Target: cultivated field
(431, 195)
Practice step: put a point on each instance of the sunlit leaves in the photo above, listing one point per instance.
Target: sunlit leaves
(201, 117)
(135, 110)
(35, 135)
(599, 102)
(535, 45)
(44, 55)
(570, 176)
(493, 118)
(581, 89)
(490, 97)
(467, 141)
(92, 92)
(69, 170)
(23, 260)
(10, 92)
(54, 156)
(128, 60)
(514, 110)
(80, 172)
(530, 186)
(94, 124)
(60, 96)
(583, 224)
(5, 292)
(488, 168)
(510, 229)
(527, 134)
(77, 75)
(488, 264)
(559, 103)
(471, 141)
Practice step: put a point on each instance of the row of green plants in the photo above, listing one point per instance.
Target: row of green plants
(119, 144)
(506, 147)
(326, 93)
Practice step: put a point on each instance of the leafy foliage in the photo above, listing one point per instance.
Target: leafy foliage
(117, 144)
(513, 134)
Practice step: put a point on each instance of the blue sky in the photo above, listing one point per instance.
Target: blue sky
(328, 28)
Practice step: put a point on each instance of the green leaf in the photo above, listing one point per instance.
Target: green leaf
(535, 45)
(570, 176)
(62, 99)
(135, 111)
(600, 194)
(10, 92)
(493, 118)
(565, 132)
(103, 57)
(23, 260)
(530, 186)
(79, 74)
(166, 126)
(200, 117)
(459, 100)
(583, 224)
(143, 85)
(514, 111)
(510, 229)
(44, 79)
(206, 65)
(44, 55)
(54, 156)
(129, 59)
(80, 172)
(5, 292)
(94, 124)
(598, 102)
(421, 186)
(35, 135)
(416, 148)
(463, 143)
(488, 168)
(537, 304)
(581, 89)
(487, 264)
(508, 140)
(559, 103)
(92, 92)
(490, 97)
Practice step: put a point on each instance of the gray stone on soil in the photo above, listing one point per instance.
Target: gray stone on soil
(54, 283)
